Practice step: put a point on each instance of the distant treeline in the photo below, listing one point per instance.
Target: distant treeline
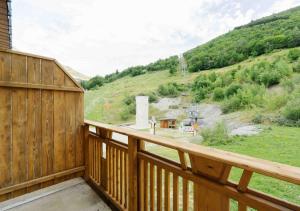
(261, 36)
(170, 64)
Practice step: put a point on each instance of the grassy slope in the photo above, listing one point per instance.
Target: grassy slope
(105, 104)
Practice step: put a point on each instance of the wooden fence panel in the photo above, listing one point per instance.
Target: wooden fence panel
(41, 115)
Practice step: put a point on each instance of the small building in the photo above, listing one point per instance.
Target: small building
(168, 123)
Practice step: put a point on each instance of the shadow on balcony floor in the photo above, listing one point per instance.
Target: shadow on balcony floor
(72, 195)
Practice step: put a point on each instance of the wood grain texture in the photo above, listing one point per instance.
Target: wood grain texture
(34, 123)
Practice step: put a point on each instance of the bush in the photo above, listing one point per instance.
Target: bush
(294, 54)
(274, 102)
(232, 89)
(247, 97)
(296, 66)
(258, 119)
(125, 114)
(170, 90)
(200, 95)
(269, 74)
(216, 136)
(128, 100)
(292, 110)
(218, 94)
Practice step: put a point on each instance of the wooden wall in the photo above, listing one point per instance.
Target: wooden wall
(41, 118)
(4, 25)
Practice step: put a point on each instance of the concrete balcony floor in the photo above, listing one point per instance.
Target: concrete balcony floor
(73, 195)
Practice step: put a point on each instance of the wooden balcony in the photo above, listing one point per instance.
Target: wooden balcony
(44, 141)
(132, 178)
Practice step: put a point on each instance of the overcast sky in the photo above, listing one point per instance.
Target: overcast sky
(97, 37)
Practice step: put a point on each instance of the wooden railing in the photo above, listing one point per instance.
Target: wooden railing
(132, 178)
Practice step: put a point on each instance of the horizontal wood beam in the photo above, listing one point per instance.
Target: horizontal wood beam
(39, 86)
(41, 180)
(276, 170)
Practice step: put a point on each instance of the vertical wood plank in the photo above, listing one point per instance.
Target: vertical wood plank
(159, 188)
(18, 68)
(34, 131)
(34, 70)
(141, 185)
(185, 194)
(86, 152)
(126, 180)
(47, 72)
(70, 130)
(79, 129)
(6, 137)
(19, 137)
(121, 177)
(242, 206)
(5, 66)
(47, 134)
(175, 193)
(152, 187)
(59, 132)
(167, 191)
(146, 191)
(133, 176)
(118, 174)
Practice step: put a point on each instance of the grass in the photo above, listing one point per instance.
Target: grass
(105, 104)
(278, 144)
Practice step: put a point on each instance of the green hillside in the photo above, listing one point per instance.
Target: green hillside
(277, 31)
(261, 36)
(106, 104)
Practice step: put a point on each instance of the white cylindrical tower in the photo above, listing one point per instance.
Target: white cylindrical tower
(142, 110)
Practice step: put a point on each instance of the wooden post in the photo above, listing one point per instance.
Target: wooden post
(133, 174)
(86, 151)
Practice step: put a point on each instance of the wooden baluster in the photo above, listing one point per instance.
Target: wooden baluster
(167, 191)
(185, 194)
(126, 179)
(159, 188)
(146, 185)
(100, 161)
(242, 206)
(108, 168)
(118, 174)
(114, 171)
(175, 192)
(133, 175)
(121, 177)
(86, 152)
(141, 185)
(152, 187)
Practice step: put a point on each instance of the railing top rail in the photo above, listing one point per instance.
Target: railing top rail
(279, 171)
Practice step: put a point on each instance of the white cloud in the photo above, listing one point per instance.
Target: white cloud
(98, 37)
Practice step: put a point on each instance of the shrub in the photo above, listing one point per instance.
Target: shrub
(125, 114)
(292, 110)
(200, 95)
(294, 54)
(258, 119)
(202, 82)
(232, 89)
(128, 100)
(269, 73)
(216, 136)
(247, 97)
(218, 94)
(170, 90)
(274, 102)
(296, 66)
